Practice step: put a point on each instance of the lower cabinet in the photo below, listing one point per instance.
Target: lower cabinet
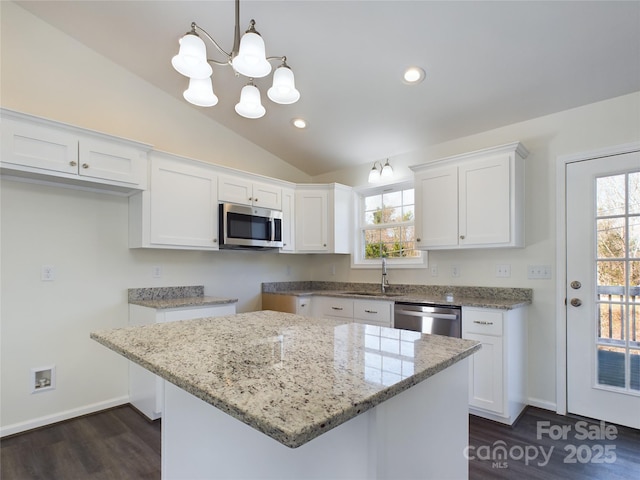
(298, 304)
(371, 312)
(146, 390)
(497, 373)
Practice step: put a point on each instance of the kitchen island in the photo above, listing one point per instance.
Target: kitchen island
(304, 398)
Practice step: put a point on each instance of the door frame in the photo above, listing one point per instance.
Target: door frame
(561, 259)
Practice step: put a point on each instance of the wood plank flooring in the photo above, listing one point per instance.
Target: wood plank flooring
(121, 444)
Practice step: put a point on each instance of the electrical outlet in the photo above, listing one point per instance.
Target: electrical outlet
(47, 273)
(434, 270)
(503, 270)
(455, 271)
(539, 272)
(156, 271)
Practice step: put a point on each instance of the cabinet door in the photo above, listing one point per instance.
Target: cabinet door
(235, 190)
(486, 374)
(311, 221)
(184, 204)
(288, 220)
(39, 147)
(267, 196)
(437, 207)
(485, 207)
(111, 161)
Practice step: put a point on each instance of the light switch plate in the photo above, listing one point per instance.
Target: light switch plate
(539, 272)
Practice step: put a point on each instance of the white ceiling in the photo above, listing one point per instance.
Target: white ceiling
(488, 64)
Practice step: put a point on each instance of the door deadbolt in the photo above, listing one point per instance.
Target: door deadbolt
(576, 285)
(576, 302)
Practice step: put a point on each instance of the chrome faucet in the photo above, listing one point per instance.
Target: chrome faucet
(384, 282)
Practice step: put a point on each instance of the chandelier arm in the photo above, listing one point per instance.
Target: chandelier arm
(218, 47)
(280, 58)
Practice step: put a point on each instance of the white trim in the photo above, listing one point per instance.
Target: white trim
(561, 259)
(61, 416)
(544, 404)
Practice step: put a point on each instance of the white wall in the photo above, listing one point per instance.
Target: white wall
(612, 122)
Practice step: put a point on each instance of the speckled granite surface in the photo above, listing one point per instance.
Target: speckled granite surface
(174, 297)
(290, 377)
(484, 297)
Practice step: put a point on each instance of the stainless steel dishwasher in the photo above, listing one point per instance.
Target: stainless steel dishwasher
(428, 318)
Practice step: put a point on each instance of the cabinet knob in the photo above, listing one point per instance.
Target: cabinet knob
(418, 239)
(73, 163)
(461, 237)
(215, 240)
(250, 199)
(85, 165)
(255, 199)
(324, 244)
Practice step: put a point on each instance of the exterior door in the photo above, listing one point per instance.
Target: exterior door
(603, 288)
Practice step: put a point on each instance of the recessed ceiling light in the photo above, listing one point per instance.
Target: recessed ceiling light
(299, 123)
(413, 75)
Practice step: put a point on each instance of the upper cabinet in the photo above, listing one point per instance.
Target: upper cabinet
(41, 149)
(323, 219)
(180, 208)
(473, 200)
(236, 189)
(288, 220)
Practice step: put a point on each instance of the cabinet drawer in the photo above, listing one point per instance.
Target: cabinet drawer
(485, 322)
(378, 312)
(336, 307)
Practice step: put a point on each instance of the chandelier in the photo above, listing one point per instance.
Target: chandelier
(247, 58)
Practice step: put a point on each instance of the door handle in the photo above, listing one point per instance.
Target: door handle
(576, 302)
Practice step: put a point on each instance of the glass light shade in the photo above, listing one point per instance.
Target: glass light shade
(191, 60)
(250, 105)
(374, 175)
(387, 171)
(283, 90)
(251, 60)
(200, 92)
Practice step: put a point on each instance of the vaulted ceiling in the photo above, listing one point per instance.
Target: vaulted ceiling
(487, 64)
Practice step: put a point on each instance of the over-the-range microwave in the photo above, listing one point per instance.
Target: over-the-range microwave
(241, 226)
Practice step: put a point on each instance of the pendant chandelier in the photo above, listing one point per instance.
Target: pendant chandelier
(247, 58)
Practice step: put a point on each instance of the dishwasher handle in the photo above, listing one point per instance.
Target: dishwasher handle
(441, 316)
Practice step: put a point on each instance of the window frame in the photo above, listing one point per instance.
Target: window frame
(357, 260)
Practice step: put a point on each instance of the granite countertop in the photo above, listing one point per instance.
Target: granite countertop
(482, 297)
(174, 297)
(290, 377)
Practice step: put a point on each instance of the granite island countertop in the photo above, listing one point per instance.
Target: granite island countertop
(290, 377)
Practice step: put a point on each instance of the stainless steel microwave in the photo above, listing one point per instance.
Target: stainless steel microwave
(241, 226)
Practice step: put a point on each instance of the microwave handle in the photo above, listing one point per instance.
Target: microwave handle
(272, 229)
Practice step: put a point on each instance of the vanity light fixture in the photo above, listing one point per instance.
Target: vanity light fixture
(247, 58)
(384, 173)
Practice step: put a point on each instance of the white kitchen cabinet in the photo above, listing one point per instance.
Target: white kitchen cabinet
(475, 200)
(146, 390)
(52, 152)
(323, 218)
(288, 220)
(180, 209)
(371, 312)
(497, 372)
(243, 191)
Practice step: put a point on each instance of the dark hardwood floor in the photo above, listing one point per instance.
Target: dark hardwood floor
(121, 444)
(114, 444)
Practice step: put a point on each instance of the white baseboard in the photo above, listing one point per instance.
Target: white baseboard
(61, 416)
(536, 402)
